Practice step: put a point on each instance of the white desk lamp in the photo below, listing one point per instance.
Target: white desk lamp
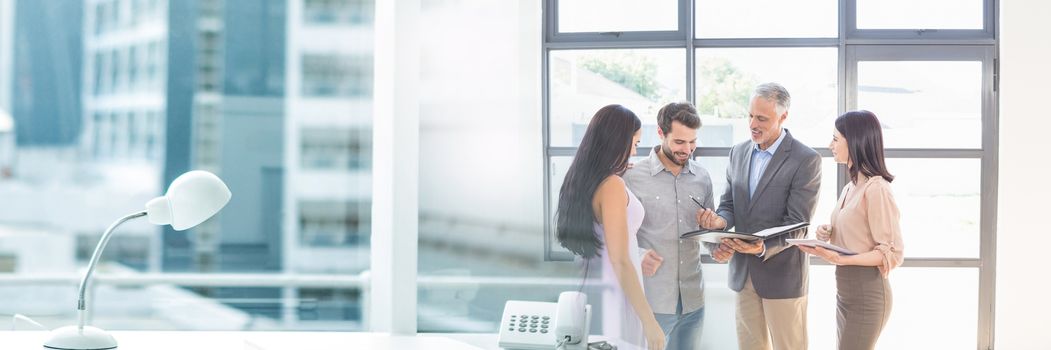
(191, 199)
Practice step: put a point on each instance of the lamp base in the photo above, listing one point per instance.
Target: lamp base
(73, 338)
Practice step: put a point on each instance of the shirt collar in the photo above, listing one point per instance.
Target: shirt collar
(658, 165)
(773, 148)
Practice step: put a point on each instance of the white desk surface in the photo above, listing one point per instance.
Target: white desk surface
(487, 341)
(197, 340)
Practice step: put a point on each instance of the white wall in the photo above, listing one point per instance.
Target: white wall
(1022, 285)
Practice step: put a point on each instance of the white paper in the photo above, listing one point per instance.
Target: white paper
(773, 230)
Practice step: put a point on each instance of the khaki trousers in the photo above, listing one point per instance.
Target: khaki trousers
(770, 324)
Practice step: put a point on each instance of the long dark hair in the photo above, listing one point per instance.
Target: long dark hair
(865, 144)
(603, 151)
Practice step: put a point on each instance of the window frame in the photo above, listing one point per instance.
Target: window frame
(987, 154)
(853, 45)
(552, 34)
(987, 34)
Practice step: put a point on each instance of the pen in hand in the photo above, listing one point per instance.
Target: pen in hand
(698, 202)
(695, 200)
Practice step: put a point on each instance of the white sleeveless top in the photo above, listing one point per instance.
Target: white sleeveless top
(619, 318)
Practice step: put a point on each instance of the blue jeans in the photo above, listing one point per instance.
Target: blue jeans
(682, 331)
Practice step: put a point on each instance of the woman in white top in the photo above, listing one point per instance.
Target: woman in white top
(598, 216)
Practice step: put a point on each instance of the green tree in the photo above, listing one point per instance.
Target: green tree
(633, 71)
(723, 90)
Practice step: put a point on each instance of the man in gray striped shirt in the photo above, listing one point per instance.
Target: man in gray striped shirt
(666, 183)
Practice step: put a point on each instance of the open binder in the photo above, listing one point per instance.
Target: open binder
(717, 236)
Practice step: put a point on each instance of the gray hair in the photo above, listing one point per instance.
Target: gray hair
(776, 93)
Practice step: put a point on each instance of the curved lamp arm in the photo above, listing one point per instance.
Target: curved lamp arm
(81, 304)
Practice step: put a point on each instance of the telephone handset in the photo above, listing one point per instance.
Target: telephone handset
(544, 326)
(570, 319)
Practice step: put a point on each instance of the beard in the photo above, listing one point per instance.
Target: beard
(668, 154)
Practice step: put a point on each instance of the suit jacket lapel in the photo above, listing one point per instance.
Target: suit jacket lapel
(775, 165)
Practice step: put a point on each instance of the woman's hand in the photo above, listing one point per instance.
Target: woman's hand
(654, 335)
(830, 256)
(824, 232)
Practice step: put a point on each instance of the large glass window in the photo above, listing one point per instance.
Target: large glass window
(767, 19)
(930, 79)
(912, 14)
(926, 104)
(932, 290)
(938, 208)
(91, 142)
(124, 96)
(617, 16)
(727, 76)
(582, 81)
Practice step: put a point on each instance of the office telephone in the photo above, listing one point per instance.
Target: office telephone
(538, 325)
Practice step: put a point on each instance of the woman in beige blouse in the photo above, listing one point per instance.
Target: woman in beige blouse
(866, 221)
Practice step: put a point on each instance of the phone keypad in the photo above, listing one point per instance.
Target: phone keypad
(529, 323)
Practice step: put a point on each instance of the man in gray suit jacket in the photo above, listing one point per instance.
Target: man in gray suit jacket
(772, 180)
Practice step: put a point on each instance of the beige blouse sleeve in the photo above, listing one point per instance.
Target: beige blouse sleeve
(885, 225)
